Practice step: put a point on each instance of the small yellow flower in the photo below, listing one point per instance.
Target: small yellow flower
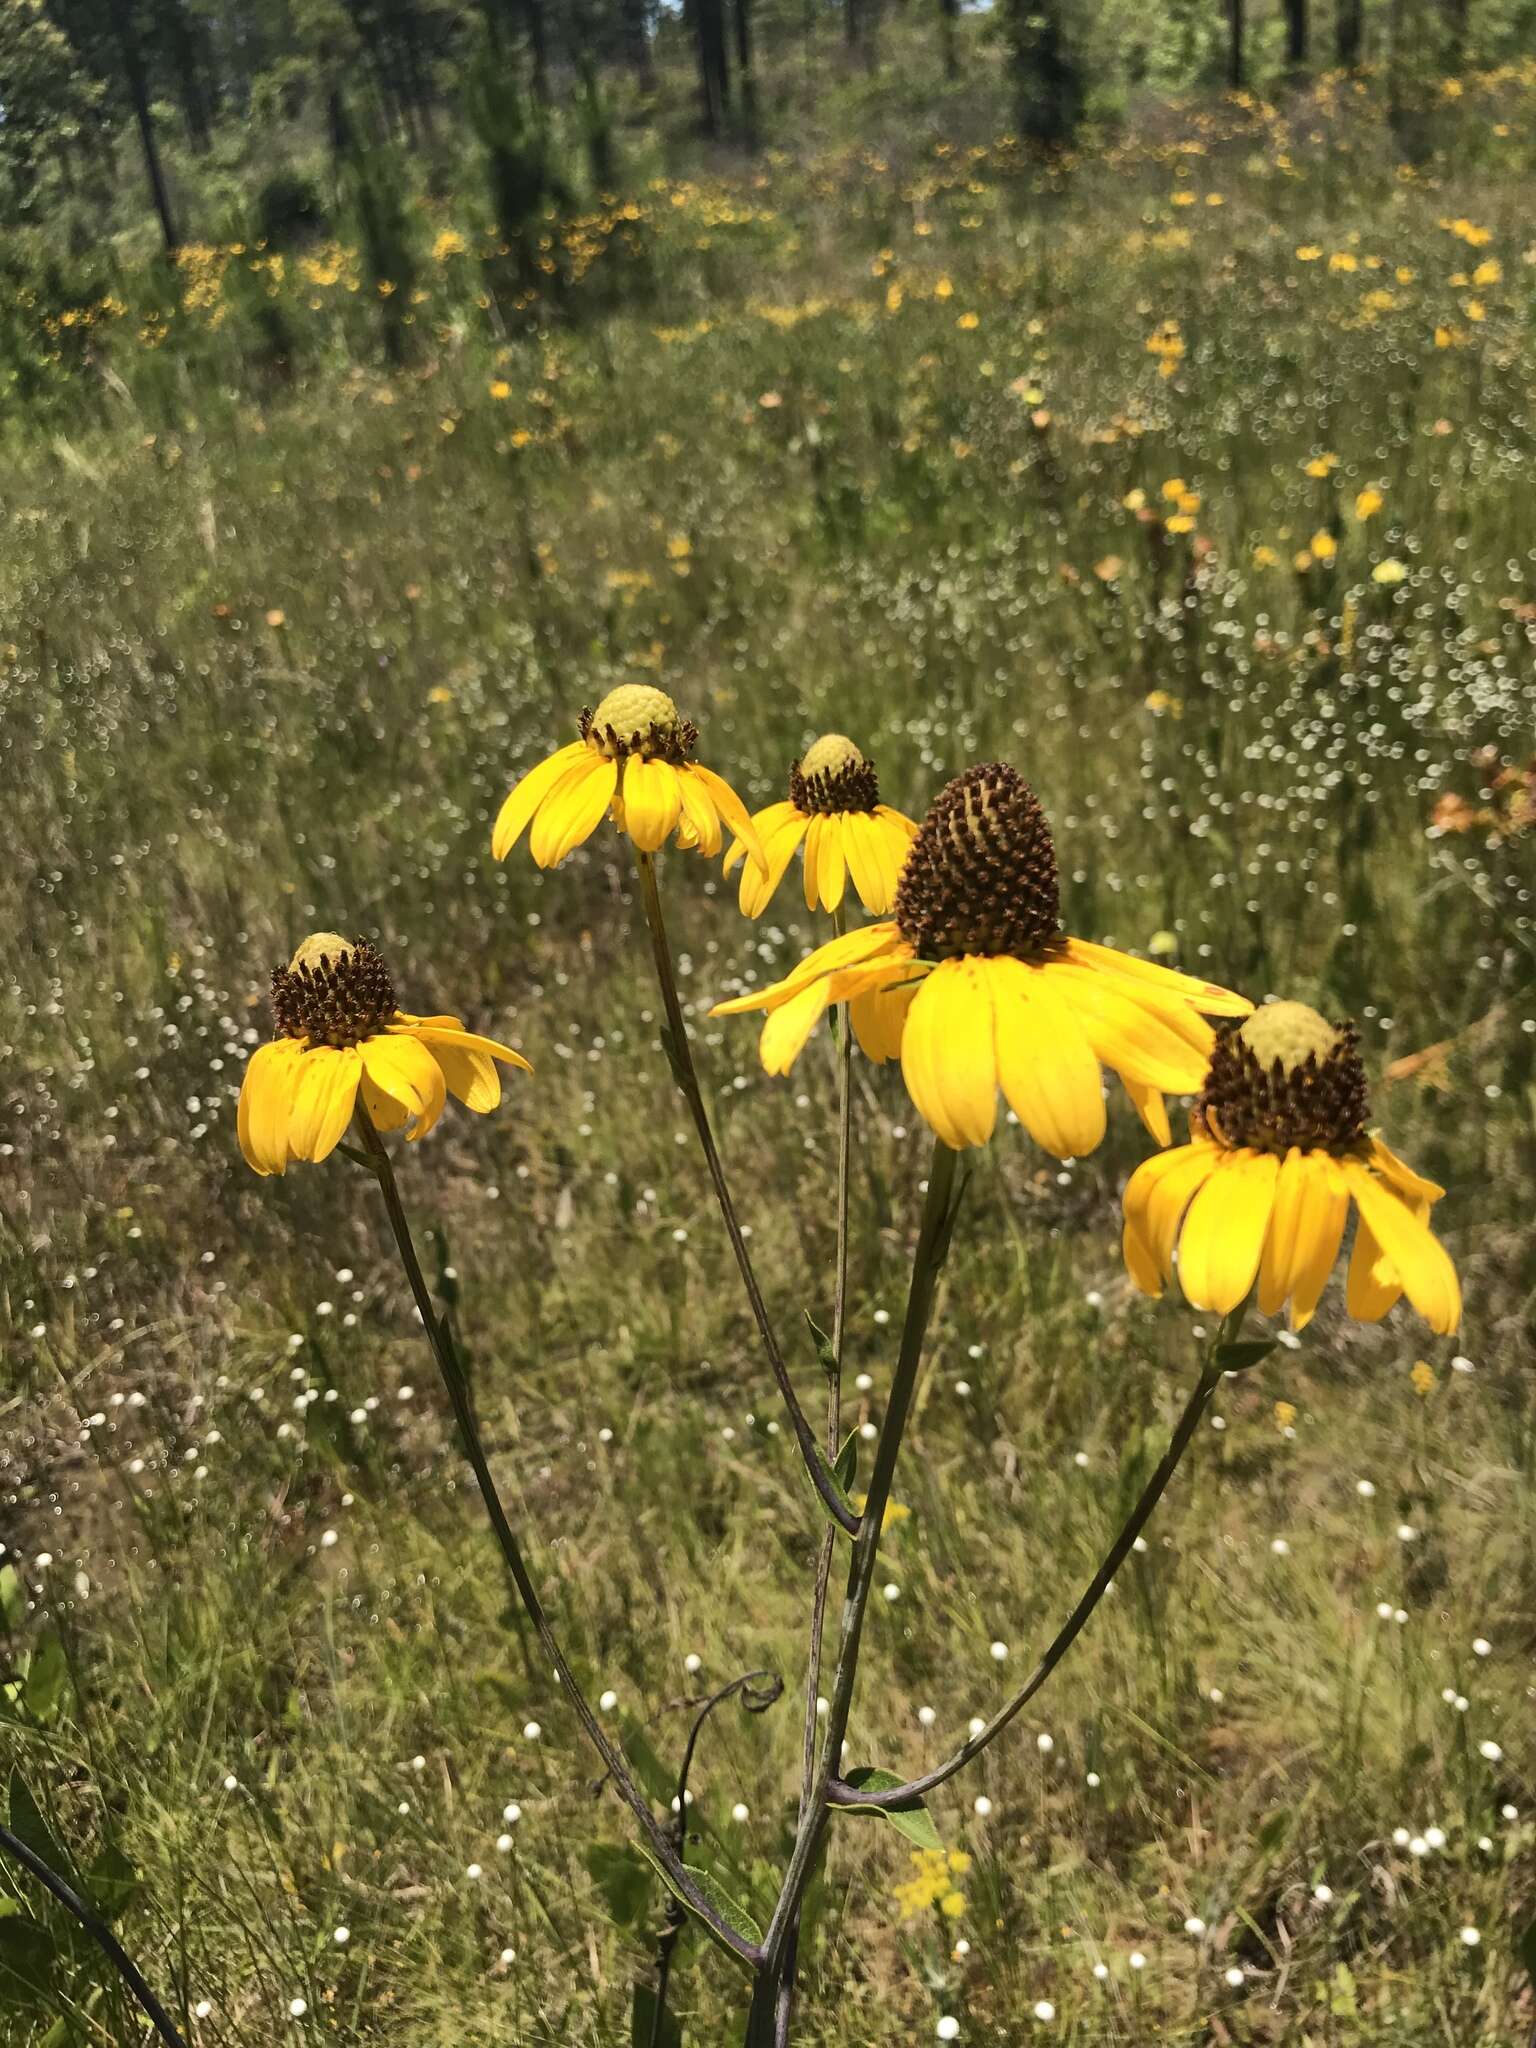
(975, 987)
(340, 1034)
(633, 761)
(1322, 465)
(834, 807)
(1309, 252)
(1285, 1415)
(1368, 503)
(1264, 557)
(1323, 545)
(1390, 571)
(499, 388)
(1279, 1149)
(968, 321)
(1422, 1380)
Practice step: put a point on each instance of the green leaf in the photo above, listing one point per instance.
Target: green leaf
(623, 1880)
(1245, 1352)
(643, 2029)
(1274, 1831)
(730, 1911)
(27, 1953)
(29, 1826)
(47, 1676)
(913, 1821)
(826, 1357)
(846, 1469)
(13, 1601)
(654, 1775)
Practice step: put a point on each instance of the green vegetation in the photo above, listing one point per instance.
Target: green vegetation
(1191, 475)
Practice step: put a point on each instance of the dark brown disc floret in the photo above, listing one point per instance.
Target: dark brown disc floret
(334, 991)
(981, 876)
(833, 775)
(1285, 1076)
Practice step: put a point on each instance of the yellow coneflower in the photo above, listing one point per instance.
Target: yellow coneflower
(834, 807)
(1279, 1150)
(340, 1032)
(633, 759)
(975, 986)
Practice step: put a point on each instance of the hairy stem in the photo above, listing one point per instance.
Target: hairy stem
(444, 1351)
(688, 1081)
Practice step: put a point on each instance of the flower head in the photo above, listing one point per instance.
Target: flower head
(834, 808)
(340, 1032)
(975, 987)
(634, 759)
(1279, 1149)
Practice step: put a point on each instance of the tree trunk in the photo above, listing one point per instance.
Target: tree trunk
(746, 74)
(1048, 83)
(1237, 69)
(138, 94)
(637, 44)
(1296, 33)
(949, 16)
(1458, 25)
(714, 64)
(1349, 32)
(538, 47)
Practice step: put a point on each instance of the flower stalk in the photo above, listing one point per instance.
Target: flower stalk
(680, 1053)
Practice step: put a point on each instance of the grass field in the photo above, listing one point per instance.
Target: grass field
(1194, 481)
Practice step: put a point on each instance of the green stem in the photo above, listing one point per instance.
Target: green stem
(927, 1264)
(898, 1796)
(444, 1351)
(688, 1081)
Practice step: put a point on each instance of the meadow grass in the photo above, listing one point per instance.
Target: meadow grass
(876, 443)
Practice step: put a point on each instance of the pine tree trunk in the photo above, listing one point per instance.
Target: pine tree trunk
(1349, 32)
(745, 72)
(1237, 68)
(138, 94)
(1296, 33)
(949, 16)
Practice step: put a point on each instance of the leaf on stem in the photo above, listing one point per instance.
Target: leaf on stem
(1246, 1352)
(730, 1910)
(914, 1821)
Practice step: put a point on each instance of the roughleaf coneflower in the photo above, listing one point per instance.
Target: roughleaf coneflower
(634, 759)
(1279, 1149)
(340, 1032)
(976, 987)
(834, 808)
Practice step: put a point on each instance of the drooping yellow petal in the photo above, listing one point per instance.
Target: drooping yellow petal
(1208, 997)
(767, 820)
(266, 1100)
(472, 1077)
(1319, 1232)
(1399, 1174)
(864, 848)
(324, 1100)
(791, 1024)
(573, 810)
(700, 818)
(385, 1112)
(1044, 1061)
(405, 1068)
(730, 806)
(1373, 1286)
(1156, 1196)
(1130, 1034)
(1277, 1266)
(810, 866)
(517, 812)
(1223, 1234)
(879, 1017)
(832, 868)
(949, 1053)
(851, 949)
(1408, 1245)
(650, 801)
(1150, 1107)
(434, 1032)
(779, 842)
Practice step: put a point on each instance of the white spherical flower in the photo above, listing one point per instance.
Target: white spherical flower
(1470, 1937)
(531, 1731)
(981, 1806)
(1234, 1976)
(607, 1701)
(298, 2007)
(948, 2028)
(1044, 2010)
(1194, 1924)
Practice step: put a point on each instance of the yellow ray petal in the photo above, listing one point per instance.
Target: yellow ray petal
(866, 862)
(1398, 1173)
(1223, 1233)
(1156, 1196)
(879, 1017)
(650, 800)
(387, 1114)
(852, 949)
(573, 810)
(405, 1068)
(1130, 1034)
(1419, 1259)
(767, 820)
(1319, 1233)
(324, 1100)
(471, 1076)
(810, 875)
(266, 1100)
(1277, 1267)
(730, 806)
(949, 1053)
(434, 1034)
(700, 815)
(1150, 1107)
(516, 813)
(759, 883)
(1206, 996)
(1373, 1286)
(832, 875)
(1044, 1061)
(790, 1025)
